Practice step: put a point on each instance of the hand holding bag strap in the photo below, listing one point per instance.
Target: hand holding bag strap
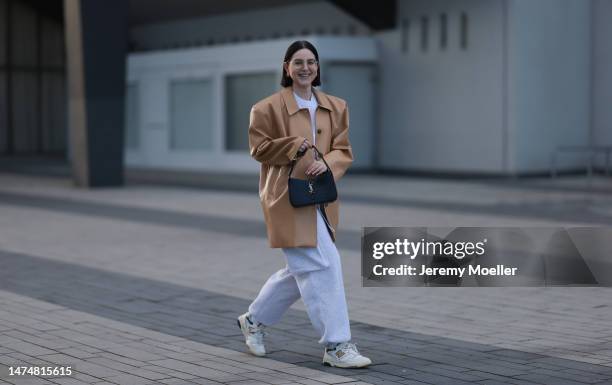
(295, 159)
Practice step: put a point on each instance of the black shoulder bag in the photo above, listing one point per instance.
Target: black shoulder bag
(315, 190)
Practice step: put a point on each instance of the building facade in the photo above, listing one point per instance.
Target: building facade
(486, 87)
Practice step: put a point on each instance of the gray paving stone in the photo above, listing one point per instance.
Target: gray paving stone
(306, 381)
(314, 375)
(197, 370)
(461, 376)
(515, 354)
(20, 345)
(69, 381)
(178, 381)
(124, 378)
(375, 380)
(29, 380)
(583, 377)
(137, 371)
(563, 363)
(169, 372)
(490, 376)
(546, 380)
(122, 359)
(445, 367)
(96, 370)
(85, 377)
(397, 370)
(270, 378)
(387, 376)
(437, 379)
(134, 304)
(286, 356)
(602, 374)
(412, 382)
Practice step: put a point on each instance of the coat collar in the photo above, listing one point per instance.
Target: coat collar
(292, 107)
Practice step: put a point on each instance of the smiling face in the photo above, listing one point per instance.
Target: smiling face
(302, 68)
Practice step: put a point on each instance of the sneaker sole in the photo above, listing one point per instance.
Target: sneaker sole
(345, 367)
(325, 363)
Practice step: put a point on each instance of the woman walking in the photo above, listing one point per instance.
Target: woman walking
(284, 127)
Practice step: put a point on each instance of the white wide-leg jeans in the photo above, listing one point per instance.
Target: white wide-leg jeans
(315, 275)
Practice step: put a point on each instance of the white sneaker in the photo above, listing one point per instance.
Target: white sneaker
(253, 335)
(345, 355)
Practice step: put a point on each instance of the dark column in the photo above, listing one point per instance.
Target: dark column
(96, 45)
(378, 15)
(10, 133)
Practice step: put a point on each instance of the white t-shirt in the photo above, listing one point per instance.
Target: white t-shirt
(312, 108)
(312, 105)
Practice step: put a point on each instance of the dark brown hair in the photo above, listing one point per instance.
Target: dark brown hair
(293, 48)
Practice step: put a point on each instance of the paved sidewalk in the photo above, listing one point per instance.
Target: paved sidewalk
(136, 283)
(103, 351)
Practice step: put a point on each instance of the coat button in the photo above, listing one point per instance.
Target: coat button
(318, 131)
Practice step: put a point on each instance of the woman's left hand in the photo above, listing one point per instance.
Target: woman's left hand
(317, 167)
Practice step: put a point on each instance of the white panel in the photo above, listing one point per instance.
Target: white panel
(241, 92)
(191, 115)
(354, 83)
(442, 110)
(602, 73)
(549, 96)
(132, 117)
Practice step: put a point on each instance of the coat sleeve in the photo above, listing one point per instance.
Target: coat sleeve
(340, 156)
(264, 147)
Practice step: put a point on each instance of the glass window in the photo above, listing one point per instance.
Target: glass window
(3, 113)
(4, 23)
(132, 117)
(464, 30)
(241, 92)
(424, 33)
(24, 106)
(23, 35)
(53, 110)
(405, 34)
(191, 114)
(52, 44)
(443, 31)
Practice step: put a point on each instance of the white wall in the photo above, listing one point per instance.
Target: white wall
(602, 72)
(442, 110)
(548, 78)
(317, 17)
(523, 86)
(153, 72)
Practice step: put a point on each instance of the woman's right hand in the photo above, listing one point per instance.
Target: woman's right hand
(305, 145)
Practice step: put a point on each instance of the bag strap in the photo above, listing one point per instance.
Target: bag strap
(296, 158)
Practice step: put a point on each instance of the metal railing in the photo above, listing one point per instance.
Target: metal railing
(591, 150)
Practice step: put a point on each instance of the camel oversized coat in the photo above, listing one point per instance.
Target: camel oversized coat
(277, 128)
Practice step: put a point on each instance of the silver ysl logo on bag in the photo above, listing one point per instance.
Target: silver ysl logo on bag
(310, 187)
